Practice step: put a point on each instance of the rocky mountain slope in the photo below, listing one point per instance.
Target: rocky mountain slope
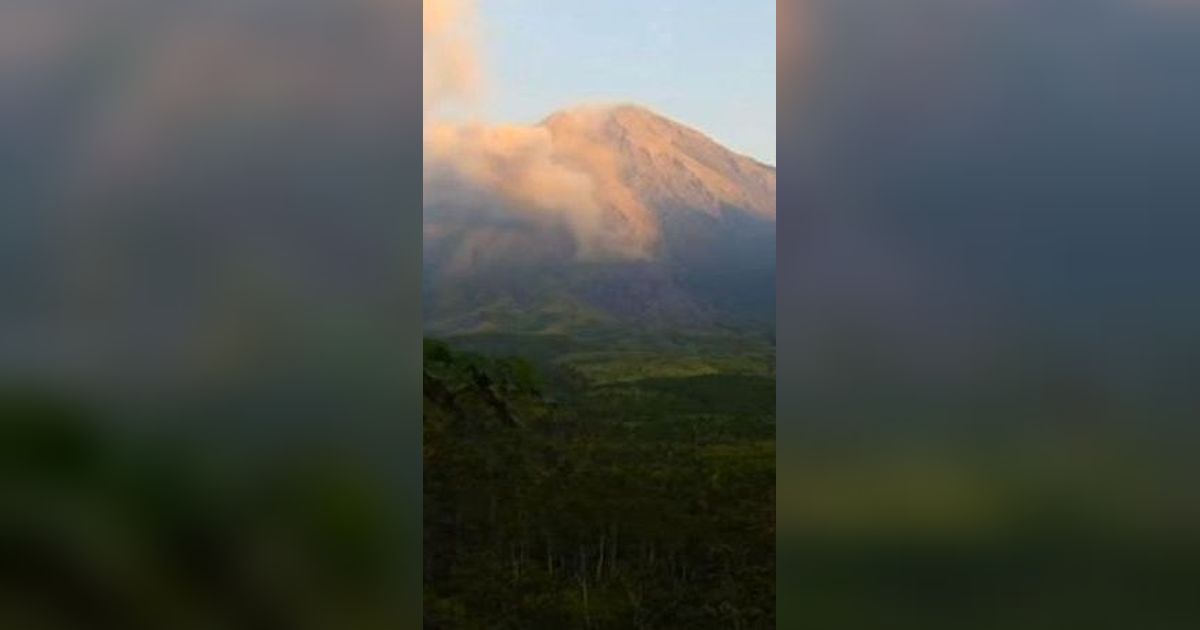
(684, 235)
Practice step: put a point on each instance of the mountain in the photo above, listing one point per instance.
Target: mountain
(676, 231)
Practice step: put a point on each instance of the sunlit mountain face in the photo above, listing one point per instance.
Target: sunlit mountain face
(599, 215)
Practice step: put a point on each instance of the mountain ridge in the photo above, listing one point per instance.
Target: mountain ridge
(653, 144)
(693, 223)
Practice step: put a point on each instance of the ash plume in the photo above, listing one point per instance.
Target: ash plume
(529, 174)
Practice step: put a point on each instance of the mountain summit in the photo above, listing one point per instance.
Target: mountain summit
(663, 226)
(666, 164)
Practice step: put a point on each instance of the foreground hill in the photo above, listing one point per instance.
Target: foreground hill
(647, 505)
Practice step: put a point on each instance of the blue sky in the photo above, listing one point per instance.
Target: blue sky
(707, 63)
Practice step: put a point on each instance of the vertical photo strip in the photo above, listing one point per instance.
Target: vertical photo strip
(598, 308)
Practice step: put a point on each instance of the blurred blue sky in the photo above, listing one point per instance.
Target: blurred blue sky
(710, 63)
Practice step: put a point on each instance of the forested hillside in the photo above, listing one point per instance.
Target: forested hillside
(552, 509)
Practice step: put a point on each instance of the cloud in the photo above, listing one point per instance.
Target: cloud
(531, 174)
(452, 70)
(519, 164)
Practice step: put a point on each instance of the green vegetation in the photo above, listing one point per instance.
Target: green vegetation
(635, 494)
(106, 525)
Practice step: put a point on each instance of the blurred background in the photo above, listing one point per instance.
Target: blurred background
(209, 332)
(989, 313)
(209, 234)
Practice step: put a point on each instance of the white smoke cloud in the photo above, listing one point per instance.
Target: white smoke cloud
(451, 63)
(537, 179)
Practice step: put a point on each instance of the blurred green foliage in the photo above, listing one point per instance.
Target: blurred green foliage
(110, 525)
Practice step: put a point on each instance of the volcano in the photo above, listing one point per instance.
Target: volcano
(680, 232)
